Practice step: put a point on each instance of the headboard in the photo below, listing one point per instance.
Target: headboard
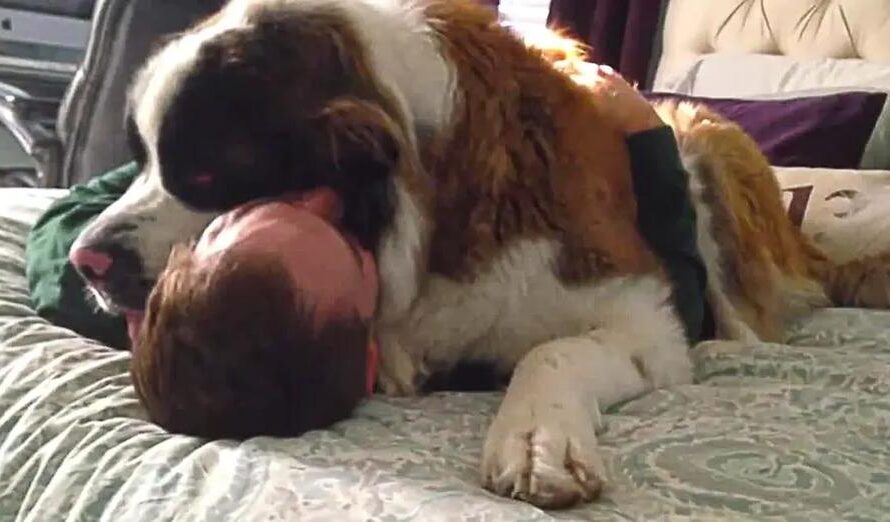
(748, 49)
(858, 29)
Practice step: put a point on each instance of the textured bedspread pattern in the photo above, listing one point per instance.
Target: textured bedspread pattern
(798, 431)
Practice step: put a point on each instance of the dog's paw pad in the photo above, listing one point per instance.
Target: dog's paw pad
(543, 466)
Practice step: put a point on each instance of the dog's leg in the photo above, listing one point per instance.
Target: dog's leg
(400, 372)
(542, 445)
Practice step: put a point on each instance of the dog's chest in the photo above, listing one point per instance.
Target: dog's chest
(515, 305)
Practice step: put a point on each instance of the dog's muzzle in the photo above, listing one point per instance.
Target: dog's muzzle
(114, 271)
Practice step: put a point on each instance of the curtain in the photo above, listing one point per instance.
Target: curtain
(621, 33)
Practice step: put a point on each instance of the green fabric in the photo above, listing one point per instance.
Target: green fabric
(667, 221)
(58, 294)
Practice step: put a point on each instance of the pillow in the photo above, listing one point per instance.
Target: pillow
(845, 212)
(747, 75)
(815, 130)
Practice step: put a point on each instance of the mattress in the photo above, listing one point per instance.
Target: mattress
(798, 431)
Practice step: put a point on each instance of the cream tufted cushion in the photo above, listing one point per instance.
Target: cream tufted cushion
(795, 28)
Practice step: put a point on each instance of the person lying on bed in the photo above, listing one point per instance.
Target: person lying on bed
(665, 213)
(261, 327)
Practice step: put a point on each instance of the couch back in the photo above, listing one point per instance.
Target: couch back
(92, 114)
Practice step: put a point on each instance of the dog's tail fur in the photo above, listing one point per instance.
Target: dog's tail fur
(861, 283)
(766, 269)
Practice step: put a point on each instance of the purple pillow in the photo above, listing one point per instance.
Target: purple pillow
(827, 131)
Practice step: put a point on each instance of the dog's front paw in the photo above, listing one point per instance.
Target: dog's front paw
(394, 384)
(550, 461)
(399, 374)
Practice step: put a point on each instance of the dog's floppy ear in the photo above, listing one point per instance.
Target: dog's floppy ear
(359, 148)
(359, 141)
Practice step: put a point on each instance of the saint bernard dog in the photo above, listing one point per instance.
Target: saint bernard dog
(497, 200)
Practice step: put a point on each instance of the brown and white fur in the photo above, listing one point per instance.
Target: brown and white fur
(763, 270)
(507, 228)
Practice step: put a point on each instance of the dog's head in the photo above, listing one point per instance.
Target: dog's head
(263, 98)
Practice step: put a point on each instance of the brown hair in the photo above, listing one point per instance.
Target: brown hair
(233, 352)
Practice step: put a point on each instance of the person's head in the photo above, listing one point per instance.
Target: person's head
(260, 328)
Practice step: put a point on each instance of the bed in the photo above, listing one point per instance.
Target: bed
(794, 431)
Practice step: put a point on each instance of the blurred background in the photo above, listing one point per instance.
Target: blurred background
(41, 44)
